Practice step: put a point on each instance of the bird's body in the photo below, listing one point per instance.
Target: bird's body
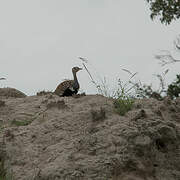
(69, 87)
(66, 88)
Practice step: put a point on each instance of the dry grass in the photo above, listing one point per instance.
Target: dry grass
(43, 93)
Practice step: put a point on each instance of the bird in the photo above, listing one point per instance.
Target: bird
(69, 87)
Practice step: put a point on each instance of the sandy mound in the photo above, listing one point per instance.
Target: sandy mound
(55, 138)
(11, 92)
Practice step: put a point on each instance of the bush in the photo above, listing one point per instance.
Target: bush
(174, 88)
(123, 105)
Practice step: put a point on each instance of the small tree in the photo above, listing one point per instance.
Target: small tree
(168, 10)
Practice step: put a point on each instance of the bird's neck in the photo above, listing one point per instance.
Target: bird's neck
(75, 76)
(76, 84)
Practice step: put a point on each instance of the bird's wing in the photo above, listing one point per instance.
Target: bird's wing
(63, 86)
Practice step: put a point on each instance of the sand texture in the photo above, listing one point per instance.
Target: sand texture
(47, 137)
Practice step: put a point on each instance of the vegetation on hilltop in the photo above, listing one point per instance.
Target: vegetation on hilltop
(166, 10)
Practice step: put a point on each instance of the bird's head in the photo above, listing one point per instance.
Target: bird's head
(76, 69)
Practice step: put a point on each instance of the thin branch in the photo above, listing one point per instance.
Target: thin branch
(166, 58)
(83, 59)
(126, 70)
(88, 72)
(177, 43)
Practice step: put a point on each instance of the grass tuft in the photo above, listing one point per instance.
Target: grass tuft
(21, 123)
(126, 92)
(123, 95)
(122, 105)
(43, 93)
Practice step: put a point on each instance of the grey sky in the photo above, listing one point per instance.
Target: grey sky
(40, 41)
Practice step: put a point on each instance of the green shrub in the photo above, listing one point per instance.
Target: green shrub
(123, 105)
(174, 88)
(21, 123)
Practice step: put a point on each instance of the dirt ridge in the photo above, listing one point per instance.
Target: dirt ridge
(50, 138)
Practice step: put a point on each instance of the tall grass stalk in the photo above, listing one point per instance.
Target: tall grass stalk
(122, 95)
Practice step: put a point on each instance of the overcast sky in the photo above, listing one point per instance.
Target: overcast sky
(41, 40)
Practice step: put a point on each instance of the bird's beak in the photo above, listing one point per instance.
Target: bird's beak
(80, 68)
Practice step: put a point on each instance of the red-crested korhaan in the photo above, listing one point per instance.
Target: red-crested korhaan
(69, 87)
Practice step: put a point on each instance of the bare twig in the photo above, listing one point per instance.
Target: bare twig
(161, 78)
(126, 70)
(166, 58)
(88, 72)
(101, 85)
(83, 59)
(177, 43)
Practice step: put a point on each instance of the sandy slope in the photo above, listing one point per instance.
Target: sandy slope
(50, 138)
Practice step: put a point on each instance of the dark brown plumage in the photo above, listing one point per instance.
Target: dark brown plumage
(69, 87)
